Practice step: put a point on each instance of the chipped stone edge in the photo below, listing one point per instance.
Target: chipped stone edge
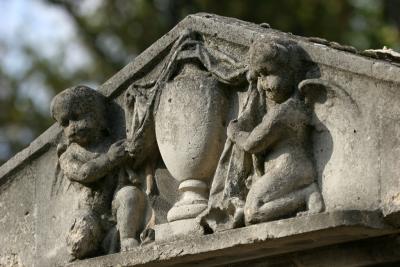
(36, 148)
(369, 223)
(235, 31)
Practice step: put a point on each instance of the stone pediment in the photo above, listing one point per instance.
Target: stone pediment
(341, 180)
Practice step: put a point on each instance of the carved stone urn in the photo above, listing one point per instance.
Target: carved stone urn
(191, 131)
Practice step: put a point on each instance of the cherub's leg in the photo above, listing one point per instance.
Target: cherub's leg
(275, 195)
(307, 197)
(129, 203)
(258, 211)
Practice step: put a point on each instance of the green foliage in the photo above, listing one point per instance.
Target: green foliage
(116, 31)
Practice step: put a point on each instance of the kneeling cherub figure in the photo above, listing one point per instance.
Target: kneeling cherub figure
(285, 183)
(91, 161)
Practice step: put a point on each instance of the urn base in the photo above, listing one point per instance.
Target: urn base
(193, 200)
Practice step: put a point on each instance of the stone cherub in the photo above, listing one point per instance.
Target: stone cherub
(92, 162)
(283, 182)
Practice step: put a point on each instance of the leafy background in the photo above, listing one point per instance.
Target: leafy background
(49, 45)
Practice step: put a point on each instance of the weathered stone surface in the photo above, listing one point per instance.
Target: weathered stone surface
(354, 148)
(17, 219)
(178, 229)
(256, 241)
(372, 252)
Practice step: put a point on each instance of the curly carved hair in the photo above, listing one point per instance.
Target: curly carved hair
(262, 55)
(79, 99)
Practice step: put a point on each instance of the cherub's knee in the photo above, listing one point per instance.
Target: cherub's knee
(128, 195)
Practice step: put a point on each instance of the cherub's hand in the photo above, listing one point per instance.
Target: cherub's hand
(237, 135)
(134, 148)
(117, 151)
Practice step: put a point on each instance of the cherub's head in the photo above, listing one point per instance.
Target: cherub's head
(80, 111)
(270, 67)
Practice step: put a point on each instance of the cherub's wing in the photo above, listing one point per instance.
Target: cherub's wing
(331, 104)
(338, 129)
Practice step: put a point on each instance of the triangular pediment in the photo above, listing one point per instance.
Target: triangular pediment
(347, 104)
(229, 31)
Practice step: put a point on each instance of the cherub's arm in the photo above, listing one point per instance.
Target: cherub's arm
(275, 125)
(265, 134)
(93, 169)
(262, 136)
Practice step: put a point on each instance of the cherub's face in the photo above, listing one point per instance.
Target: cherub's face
(80, 126)
(270, 65)
(276, 84)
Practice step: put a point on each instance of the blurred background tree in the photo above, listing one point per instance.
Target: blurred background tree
(49, 45)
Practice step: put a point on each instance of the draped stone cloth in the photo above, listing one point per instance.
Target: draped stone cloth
(228, 189)
(189, 47)
(234, 172)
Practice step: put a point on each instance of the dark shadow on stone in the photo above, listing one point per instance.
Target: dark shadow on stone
(320, 134)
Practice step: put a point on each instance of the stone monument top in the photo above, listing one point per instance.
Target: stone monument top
(224, 143)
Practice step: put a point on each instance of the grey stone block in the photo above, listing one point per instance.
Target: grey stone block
(355, 149)
(178, 229)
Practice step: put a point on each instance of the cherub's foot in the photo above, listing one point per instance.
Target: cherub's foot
(314, 201)
(128, 244)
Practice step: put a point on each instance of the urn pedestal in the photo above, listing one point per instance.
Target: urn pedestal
(191, 132)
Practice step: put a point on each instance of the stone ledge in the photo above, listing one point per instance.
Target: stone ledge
(378, 251)
(256, 241)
